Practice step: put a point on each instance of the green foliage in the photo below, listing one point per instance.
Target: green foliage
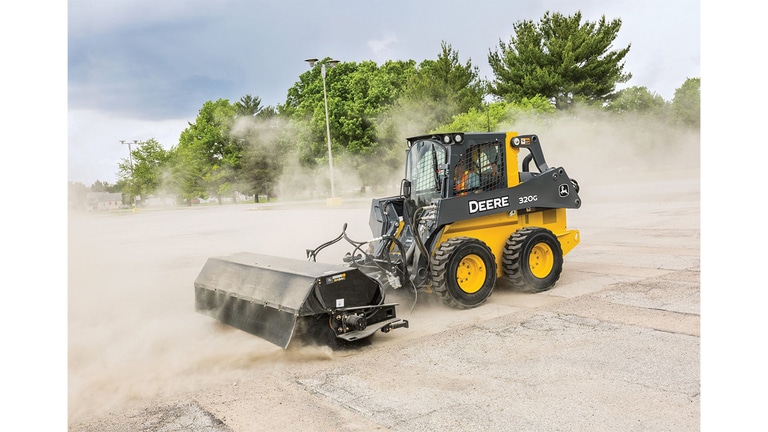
(445, 86)
(561, 59)
(686, 104)
(365, 102)
(436, 91)
(475, 120)
(99, 186)
(206, 158)
(637, 100)
(358, 94)
(248, 106)
(142, 173)
(245, 147)
(266, 142)
(497, 113)
(535, 105)
(257, 131)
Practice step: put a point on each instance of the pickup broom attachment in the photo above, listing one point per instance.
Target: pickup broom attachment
(270, 296)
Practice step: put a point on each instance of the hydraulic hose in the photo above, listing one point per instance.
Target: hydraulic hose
(417, 237)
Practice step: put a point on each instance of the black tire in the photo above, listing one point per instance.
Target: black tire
(533, 260)
(463, 272)
(316, 331)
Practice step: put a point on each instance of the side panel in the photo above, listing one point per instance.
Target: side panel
(495, 229)
(551, 189)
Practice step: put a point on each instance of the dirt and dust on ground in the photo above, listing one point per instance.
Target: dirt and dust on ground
(614, 346)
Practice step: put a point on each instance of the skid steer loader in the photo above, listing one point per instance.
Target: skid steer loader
(469, 211)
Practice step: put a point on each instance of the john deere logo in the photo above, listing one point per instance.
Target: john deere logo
(564, 190)
(336, 278)
(489, 204)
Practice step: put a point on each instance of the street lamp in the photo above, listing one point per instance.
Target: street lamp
(130, 155)
(331, 64)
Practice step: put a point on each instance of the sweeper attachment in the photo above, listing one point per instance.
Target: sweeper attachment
(470, 212)
(271, 297)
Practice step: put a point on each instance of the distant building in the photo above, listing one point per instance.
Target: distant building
(102, 201)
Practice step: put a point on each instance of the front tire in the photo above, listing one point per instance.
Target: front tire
(533, 260)
(463, 272)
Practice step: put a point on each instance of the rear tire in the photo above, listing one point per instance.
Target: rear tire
(533, 260)
(463, 272)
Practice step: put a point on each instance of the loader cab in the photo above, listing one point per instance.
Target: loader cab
(448, 165)
(454, 164)
(425, 169)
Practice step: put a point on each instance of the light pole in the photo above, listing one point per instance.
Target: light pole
(331, 64)
(130, 155)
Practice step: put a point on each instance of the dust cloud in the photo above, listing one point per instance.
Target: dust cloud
(602, 148)
(134, 335)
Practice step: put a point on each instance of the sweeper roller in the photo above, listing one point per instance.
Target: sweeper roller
(271, 297)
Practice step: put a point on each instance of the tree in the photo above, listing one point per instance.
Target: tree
(144, 176)
(686, 104)
(637, 100)
(99, 186)
(496, 114)
(433, 92)
(445, 87)
(265, 142)
(248, 106)
(560, 59)
(206, 159)
(358, 94)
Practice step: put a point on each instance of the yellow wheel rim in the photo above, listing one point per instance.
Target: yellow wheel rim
(471, 273)
(542, 260)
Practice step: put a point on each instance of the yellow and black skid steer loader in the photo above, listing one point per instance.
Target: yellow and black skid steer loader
(469, 211)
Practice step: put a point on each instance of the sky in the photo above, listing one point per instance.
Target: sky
(142, 69)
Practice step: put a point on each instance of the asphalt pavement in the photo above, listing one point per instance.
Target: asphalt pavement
(615, 346)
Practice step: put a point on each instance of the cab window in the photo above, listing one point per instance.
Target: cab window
(479, 169)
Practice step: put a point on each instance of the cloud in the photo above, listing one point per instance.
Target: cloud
(142, 59)
(381, 47)
(94, 142)
(89, 18)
